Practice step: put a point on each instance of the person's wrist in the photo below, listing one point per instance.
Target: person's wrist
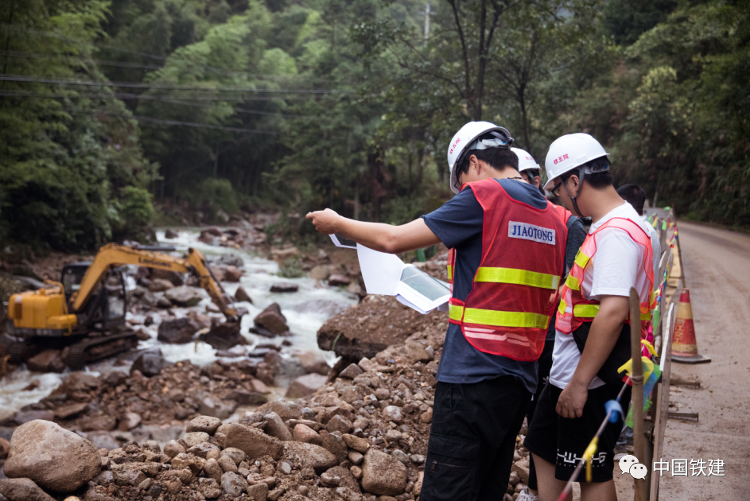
(579, 383)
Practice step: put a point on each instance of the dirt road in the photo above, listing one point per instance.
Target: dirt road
(717, 264)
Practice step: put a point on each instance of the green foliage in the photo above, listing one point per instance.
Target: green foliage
(291, 268)
(213, 195)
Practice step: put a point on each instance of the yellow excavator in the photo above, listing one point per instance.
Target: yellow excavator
(84, 313)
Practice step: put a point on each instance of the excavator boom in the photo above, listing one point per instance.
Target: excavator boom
(113, 255)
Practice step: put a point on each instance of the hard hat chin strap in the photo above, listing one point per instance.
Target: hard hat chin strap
(578, 192)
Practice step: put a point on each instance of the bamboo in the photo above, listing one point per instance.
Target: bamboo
(639, 439)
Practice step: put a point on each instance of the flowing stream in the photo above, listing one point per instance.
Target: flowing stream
(305, 310)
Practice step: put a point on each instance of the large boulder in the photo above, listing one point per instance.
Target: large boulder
(271, 320)
(305, 385)
(22, 489)
(53, 457)
(304, 455)
(150, 363)
(46, 361)
(382, 474)
(175, 278)
(232, 274)
(160, 285)
(183, 296)
(224, 336)
(177, 330)
(251, 441)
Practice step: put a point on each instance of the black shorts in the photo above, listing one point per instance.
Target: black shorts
(562, 441)
(472, 439)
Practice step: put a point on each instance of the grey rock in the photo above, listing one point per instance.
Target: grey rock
(150, 362)
(205, 424)
(383, 474)
(22, 489)
(272, 320)
(251, 441)
(183, 296)
(284, 288)
(55, 458)
(177, 330)
(352, 371)
(276, 427)
(233, 484)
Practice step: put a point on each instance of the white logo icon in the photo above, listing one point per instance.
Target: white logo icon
(629, 464)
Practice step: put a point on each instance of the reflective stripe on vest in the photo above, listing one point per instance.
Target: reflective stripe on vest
(519, 277)
(590, 310)
(450, 272)
(497, 318)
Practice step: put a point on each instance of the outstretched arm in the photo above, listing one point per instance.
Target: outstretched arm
(377, 236)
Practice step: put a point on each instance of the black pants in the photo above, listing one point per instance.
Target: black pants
(545, 365)
(472, 439)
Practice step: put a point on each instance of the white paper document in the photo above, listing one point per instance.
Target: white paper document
(387, 275)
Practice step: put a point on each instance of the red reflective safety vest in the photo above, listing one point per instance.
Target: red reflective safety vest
(574, 308)
(523, 254)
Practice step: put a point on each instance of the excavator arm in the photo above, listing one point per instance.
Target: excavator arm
(113, 255)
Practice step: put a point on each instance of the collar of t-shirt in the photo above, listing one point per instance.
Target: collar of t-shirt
(624, 211)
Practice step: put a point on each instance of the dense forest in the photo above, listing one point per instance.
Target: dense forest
(113, 113)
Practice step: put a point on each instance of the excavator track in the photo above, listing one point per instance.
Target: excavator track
(92, 349)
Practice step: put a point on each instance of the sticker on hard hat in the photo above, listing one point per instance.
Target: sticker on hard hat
(527, 231)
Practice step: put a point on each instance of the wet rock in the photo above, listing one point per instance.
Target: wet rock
(313, 361)
(309, 455)
(55, 458)
(22, 489)
(382, 474)
(271, 320)
(242, 295)
(305, 385)
(183, 296)
(352, 371)
(171, 276)
(232, 274)
(4, 448)
(22, 417)
(251, 441)
(46, 361)
(128, 421)
(150, 362)
(244, 397)
(177, 330)
(320, 272)
(284, 288)
(207, 233)
(159, 285)
(170, 234)
(205, 424)
(338, 279)
(101, 422)
(70, 410)
(224, 336)
(233, 484)
(163, 303)
(211, 405)
(276, 427)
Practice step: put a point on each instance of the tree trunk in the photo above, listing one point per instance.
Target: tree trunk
(524, 116)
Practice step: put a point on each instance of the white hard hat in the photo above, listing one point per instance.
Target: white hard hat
(568, 152)
(525, 160)
(466, 140)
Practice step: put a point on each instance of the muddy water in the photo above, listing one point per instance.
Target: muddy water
(305, 310)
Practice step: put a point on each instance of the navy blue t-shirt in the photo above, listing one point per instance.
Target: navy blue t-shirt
(459, 224)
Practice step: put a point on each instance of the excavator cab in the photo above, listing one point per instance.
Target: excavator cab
(107, 305)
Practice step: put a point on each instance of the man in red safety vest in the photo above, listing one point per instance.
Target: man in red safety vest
(506, 261)
(592, 340)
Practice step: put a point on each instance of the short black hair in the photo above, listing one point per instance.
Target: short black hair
(497, 158)
(634, 195)
(597, 180)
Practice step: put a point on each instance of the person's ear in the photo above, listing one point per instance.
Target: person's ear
(573, 182)
(537, 181)
(474, 164)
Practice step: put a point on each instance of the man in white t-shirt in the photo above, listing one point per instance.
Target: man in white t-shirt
(591, 336)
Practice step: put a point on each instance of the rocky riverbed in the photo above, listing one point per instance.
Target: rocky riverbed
(196, 413)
